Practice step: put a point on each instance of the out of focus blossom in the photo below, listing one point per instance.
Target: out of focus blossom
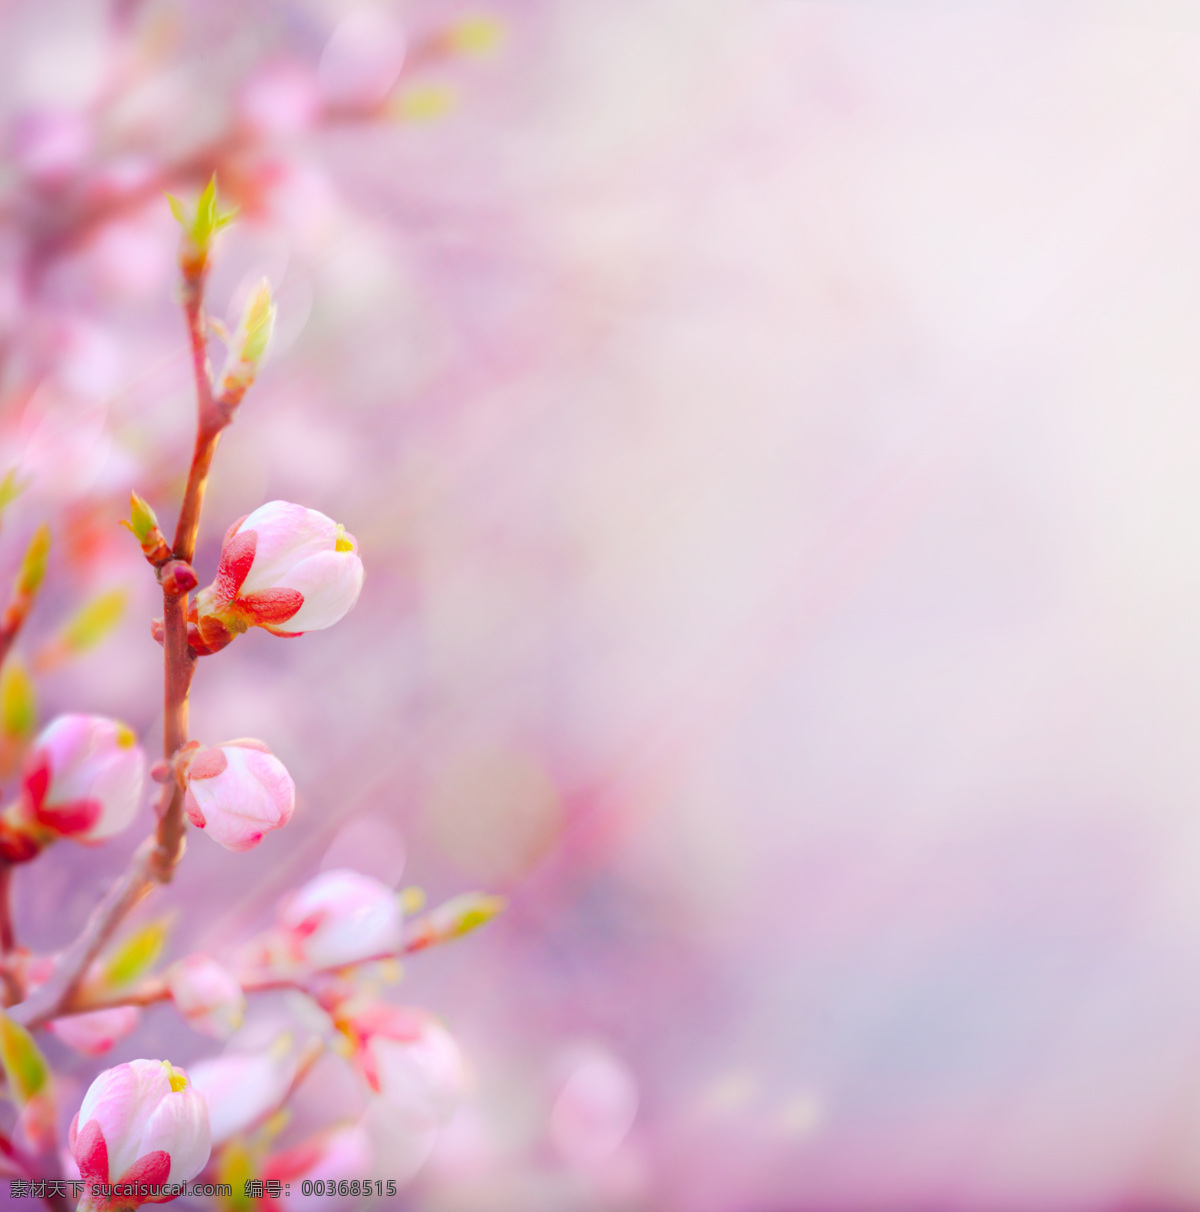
(341, 917)
(336, 1154)
(207, 995)
(595, 1108)
(139, 1123)
(279, 98)
(240, 1090)
(49, 146)
(237, 792)
(83, 779)
(284, 568)
(361, 61)
(95, 1032)
(407, 1057)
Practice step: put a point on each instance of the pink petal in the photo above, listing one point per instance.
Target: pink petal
(91, 1152)
(237, 557)
(152, 1168)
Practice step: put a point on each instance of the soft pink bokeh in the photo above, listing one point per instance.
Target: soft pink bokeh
(769, 432)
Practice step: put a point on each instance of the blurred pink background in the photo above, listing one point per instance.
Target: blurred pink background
(771, 433)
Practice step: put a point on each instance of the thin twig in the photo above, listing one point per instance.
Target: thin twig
(154, 989)
(155, 860)
(47, 1000)
(8, 938)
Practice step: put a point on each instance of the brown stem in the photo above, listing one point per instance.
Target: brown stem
(48, 1000)
(211, 419)
(178, 659)
(155, 989)
(8, 939)
(179, 665)
(155, 860)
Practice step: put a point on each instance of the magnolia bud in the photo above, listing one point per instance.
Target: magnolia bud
(207, 995)
(342, 917)
(140, 1123)
(284, 568)
(83, 780)
(236, 792)
(407, 1057)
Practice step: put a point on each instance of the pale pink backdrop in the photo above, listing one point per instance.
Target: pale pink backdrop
(772, 430)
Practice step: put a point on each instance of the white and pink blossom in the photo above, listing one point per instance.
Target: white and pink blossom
(407, 1057)
(83, 779)
(237, 792)
(140, 1123)
(284, 568)
(342, 917)
(207, 994)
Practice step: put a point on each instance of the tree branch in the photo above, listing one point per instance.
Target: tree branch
(256, 980)
(155, 860)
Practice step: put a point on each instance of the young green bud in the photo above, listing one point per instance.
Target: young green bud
(142, 519)
(248, 345)
(199, 227)
(144, 525)
(33, 566)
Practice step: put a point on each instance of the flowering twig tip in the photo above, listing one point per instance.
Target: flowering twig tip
(199, 227)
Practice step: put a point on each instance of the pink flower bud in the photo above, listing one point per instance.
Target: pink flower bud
(238, 791)
(342, 917)
(408, 1058)
(178, 577)
(207, 995)
(284, 568)
(140, 1123)
(83, 780)
(95, 1032)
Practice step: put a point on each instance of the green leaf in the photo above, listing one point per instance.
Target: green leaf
(18, 701)
(10, 488)
(142, 519)
(462, 914)
(137, 954)
(200, 226)
(33, 566)
(236, 1166)
(95, 620)
(23, 1063)
(206, 211)
(258, 323)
